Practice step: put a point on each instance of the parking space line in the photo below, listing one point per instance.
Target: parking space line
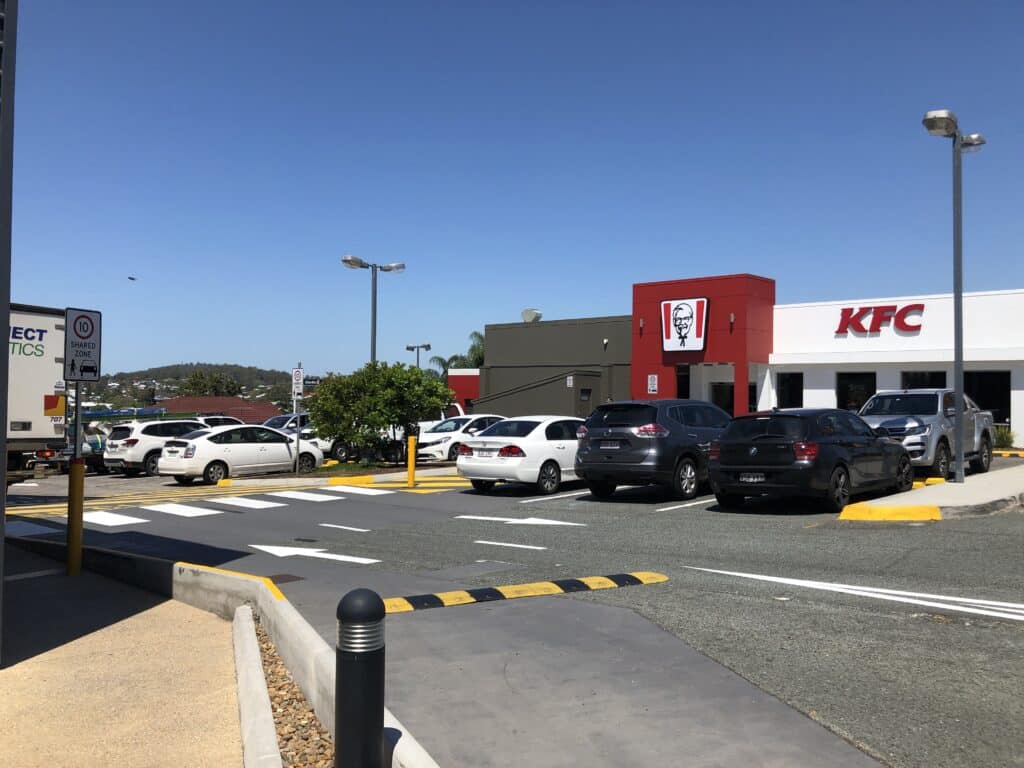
(506, 544)
(688, 504)
(345, 527)
(552, 498)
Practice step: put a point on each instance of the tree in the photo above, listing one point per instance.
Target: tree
(475, 355)
(365, 407)
(201, 383)
(442, 364)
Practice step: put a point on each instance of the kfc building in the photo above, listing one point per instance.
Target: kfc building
(724, 339)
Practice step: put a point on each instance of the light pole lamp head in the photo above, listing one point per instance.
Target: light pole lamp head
(353, 262)
(410, 347)
(972, 142)
(940, 122)
(426, 347)
(396, 266)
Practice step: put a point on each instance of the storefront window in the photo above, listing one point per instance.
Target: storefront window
(789, 389)
(991, 391)
(854, 389)
(923, 380)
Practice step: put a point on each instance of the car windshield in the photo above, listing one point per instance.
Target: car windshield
(775, 425)
(624, 415)
(448, 425)
(195, 435)
(510, 428)
(277, 422)
(901, 405)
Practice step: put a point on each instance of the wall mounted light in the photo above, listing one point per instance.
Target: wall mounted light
(732, 321)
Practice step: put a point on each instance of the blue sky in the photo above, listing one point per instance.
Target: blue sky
(533, 154)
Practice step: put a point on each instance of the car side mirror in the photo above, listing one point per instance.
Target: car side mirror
(950, 412)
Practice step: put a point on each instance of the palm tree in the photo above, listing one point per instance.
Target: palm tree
(444, 363)
(475, 355)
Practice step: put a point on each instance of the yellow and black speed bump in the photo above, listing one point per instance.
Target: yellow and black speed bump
(512, 591)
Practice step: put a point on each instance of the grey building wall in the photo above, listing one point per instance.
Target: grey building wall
(529, 365)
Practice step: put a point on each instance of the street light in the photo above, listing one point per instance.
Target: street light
(425, 346)
(942, 122)
(354, 262)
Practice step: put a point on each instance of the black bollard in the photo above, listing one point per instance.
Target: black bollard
(359, 681)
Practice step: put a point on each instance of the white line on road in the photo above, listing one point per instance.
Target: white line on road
(318, 553)
(518, 520)
(506, 544)
(245, 502)
(110, 519)
(24, 485)
(1014, 611)
(182, 510)
(305, 496)
(688, 504)
(552, 498)
(345, 527)
(357, 490)
(34, 574)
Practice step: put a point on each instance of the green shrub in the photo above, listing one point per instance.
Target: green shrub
(1004, 438)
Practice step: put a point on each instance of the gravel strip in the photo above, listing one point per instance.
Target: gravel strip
(303, 741)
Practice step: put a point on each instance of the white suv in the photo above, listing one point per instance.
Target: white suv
(135, 447)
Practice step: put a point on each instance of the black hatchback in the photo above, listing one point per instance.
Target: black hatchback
(820, 453)
(638, 442)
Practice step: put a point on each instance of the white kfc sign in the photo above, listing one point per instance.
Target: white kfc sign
(684, 324)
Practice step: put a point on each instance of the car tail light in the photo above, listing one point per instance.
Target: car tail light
(805, 451)
(582, 432)
(190, 451)
(715, 452)
(465, 450)
(45, 454)
(512, 451)
(130, 442)
(650, 430)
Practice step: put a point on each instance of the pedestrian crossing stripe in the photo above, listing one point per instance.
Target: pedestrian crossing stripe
(182, 510)
(513, 591)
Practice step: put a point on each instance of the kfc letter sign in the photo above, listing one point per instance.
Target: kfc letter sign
(871, 319)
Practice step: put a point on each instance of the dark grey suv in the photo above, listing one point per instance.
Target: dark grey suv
(638, 442)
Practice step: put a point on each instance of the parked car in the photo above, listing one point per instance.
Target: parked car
(442, 440)
(287, 421)
(94, 440)
(527, 449)
(215, 453)
(218, 421)
(335, 449)
(822, 453)
(135, 447)
(923, 420)
(453, 410)
(639, 442)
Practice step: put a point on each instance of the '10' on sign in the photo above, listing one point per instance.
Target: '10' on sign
(82, 345)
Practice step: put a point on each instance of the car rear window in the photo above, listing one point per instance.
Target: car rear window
(510, 428)
(195, 435)
(901, 405)
(624, 415)
(776, 425)
(120, 433)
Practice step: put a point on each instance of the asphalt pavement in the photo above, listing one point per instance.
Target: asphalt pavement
(879, 632)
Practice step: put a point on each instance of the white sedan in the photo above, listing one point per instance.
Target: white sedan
(220, 452)
(524, 449)
(442, 440)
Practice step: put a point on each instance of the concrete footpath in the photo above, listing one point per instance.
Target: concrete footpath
(99, 673)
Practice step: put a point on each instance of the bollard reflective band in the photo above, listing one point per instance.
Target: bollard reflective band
(361, 636)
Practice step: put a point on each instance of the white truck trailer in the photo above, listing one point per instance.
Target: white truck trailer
(36, 403)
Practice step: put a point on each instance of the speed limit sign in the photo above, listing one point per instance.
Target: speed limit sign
(297, 375)
(82, 344)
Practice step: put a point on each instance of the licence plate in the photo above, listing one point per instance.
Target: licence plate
(614, 444)
(752, 477)
(171, 451)
(484, 452)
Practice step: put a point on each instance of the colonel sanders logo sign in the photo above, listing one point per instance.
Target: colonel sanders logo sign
(684, 324)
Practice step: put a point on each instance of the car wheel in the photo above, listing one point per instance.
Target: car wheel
(307, 462)
(182, 480)
(453, 452)
(727, 501)
(684, 481)
(904, 475)
(149, 465)
(940, 468)
(339, 451)
(838, 490)
(549, 480)
(601, 489)
(984, 460)
(215, 472)
(482, 486)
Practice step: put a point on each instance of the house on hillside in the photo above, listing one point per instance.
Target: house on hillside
(246, 410)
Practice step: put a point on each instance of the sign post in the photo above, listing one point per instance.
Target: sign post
(297, 377)
(82, 331)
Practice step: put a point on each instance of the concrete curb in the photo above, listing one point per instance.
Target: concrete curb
(309, 658)
(259, 734)
(880, 513)
(1007, 504)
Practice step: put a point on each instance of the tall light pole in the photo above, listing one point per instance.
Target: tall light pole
(425, 347)
(942, 122)
(354, 262)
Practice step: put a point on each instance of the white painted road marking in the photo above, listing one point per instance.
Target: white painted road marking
(345, 527)
(517, 520)
(245, 502)
(318, 553)
(357, 489)
(551, 498)
(305, 496)
(25, 528)
(506, 544)
(34, 574)
(24, 485)
(182, 510)
(688, 504)
(1014, 611)
(110, 519)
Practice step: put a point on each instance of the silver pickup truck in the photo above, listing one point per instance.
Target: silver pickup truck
(923, 420)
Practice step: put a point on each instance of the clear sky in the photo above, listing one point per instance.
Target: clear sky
(538, 153)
